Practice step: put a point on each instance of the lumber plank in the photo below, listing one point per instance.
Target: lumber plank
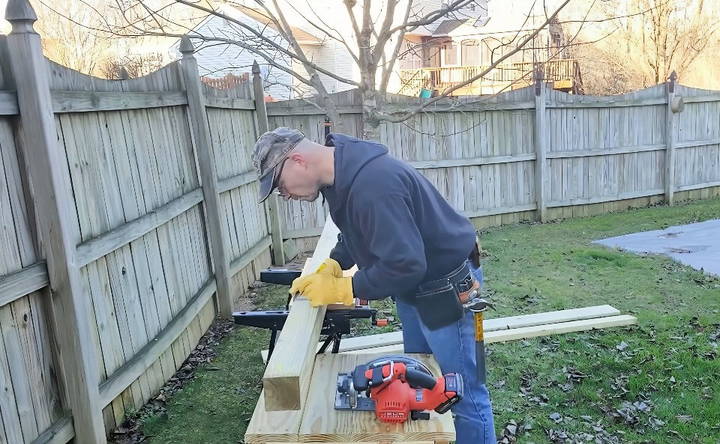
(253, 252)
(11, 414)
(606, 198)
(229, 103)
(515, 334)
(216, 232)
(277, 426)
(31, 359)
(112, 240)
(489, 325)
(272, 204)
(287, 375)
(45, 159)
(563, 327)
(321, 422)
(236, 181)
(22, 282)
(475, 161)
(137, 365)
(60, 432)
(23, 383)
(93, 101)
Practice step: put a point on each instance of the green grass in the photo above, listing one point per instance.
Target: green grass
(655, 382)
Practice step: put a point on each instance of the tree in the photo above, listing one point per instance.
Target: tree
(646, 45)
(73, 46)
(133, 66)
(376, 36)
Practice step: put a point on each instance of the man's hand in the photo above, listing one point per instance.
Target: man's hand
(324, 289)
(331, 267)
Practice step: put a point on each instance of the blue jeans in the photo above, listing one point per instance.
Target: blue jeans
(454, 349)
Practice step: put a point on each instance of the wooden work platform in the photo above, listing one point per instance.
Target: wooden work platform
(320, 422)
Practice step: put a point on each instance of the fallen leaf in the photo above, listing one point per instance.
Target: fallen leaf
(655, 423)
(557, 417)
(642, 406)
(684, 418)
(574, 375)
(622, 346)
(557, 435)
(499, 384)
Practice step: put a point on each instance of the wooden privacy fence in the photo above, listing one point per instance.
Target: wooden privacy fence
(128, 219)
(539, 153)
(129, 215)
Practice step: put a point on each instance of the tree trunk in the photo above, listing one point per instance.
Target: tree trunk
(371, 124)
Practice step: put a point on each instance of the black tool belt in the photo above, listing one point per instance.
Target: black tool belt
(440, 302)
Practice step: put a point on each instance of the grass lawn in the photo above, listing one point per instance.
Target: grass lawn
(655, 382)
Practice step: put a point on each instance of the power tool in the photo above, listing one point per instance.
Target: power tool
(397, 388)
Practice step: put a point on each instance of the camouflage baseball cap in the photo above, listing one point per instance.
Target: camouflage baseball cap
(271, 150)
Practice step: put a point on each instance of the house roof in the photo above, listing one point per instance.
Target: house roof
(303, 37)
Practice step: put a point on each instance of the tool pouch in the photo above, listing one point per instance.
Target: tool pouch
(440, 302)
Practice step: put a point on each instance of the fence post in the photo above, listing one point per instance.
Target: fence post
(217, 231)
(540, 139)
(272, 205)
(669, 142)
(54, 205)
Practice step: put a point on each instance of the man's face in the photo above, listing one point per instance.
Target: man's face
(297, 180)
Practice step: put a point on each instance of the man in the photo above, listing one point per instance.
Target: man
(408, 244)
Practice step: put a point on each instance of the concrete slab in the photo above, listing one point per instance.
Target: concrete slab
(696, 245)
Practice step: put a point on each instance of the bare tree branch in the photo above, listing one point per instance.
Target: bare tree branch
(284, 30)
(472, 79)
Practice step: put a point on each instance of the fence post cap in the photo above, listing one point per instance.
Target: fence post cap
(186, 46)
(20, 11)
(255, 68)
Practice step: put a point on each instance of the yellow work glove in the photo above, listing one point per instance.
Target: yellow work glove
(324, 289)
(331, 267)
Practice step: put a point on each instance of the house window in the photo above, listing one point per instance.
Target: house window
(449, 54)
(470, 53)
(486, 51)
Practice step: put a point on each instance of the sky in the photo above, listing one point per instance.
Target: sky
(4, 25)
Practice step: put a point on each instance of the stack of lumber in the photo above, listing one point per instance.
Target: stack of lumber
(505, 329)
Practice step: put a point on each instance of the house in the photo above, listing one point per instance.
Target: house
(452, 49)
(455, 49)
(220, 62)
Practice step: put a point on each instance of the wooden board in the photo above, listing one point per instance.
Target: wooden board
(288, 372)
(530, 332)
(368, 342)
(321, 422)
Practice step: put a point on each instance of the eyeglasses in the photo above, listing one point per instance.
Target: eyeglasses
(276, 184)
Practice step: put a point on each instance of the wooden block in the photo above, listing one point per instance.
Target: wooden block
(266, 426)
(322, 423)
(288, 372)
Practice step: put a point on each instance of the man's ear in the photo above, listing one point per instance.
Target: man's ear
(298, 158)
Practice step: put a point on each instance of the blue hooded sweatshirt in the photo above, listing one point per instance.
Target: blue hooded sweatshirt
(393, 222)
